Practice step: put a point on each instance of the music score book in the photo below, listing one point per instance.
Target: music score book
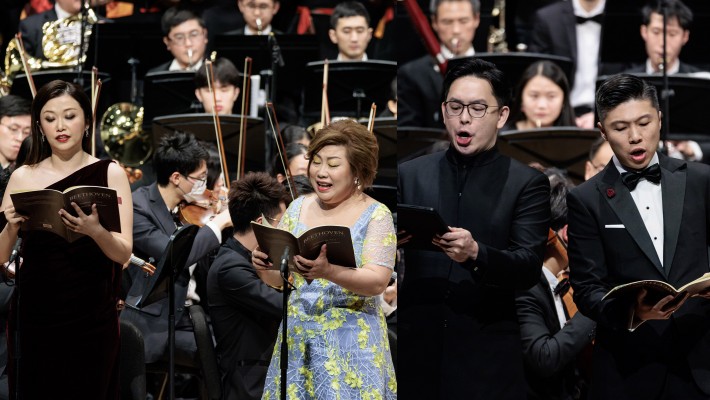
(656, 290)
(273, 241)
(422, 223)
(42, 207)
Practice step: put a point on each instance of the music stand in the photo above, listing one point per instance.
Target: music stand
(352, 87)
(168, 93)
(561, 147)
(21, 87)
(686, 112)
(413, 142)
(296, 51)
(162, 285)
(202, 126)
(514, 64)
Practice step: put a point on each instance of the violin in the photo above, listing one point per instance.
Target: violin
(201, 211)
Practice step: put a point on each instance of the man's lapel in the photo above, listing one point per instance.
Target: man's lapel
(160, 209)
(673, 179)
(620, 200)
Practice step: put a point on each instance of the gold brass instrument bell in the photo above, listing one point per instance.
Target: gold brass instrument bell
(60, 45)
(496, 37)
(123, 136)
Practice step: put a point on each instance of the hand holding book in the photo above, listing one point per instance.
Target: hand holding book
(314, 269)
(83, 224)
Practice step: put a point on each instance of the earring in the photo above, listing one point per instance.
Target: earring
(42, 138)
(87, 132)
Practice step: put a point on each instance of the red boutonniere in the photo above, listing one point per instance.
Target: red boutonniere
(610, 193)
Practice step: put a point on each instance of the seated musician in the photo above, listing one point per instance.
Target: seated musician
(245, 311)
(180, 165)
(553, 334)
(185, 38)
(541, 98)
(15, 126)
(420, 81)
(257, 15)
(599, 156)
(226, 87)
(350, 31)
(297, 162)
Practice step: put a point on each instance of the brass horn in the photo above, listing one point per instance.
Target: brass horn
(123, 135)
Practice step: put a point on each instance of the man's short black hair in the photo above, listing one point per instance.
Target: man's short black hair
(175, 16)
(672, 8)
(224, 72)
(12, 105)
(560, 185)
(479, 69)
(179, 152)
(475, 6)
(254, 195)
(348, 9)
(621, 88)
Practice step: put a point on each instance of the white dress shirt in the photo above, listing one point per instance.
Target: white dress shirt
(588, 38)
(552, 280)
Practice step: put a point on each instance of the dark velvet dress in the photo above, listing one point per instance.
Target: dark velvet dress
(68, 332)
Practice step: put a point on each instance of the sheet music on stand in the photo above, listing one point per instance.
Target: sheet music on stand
(168, 93)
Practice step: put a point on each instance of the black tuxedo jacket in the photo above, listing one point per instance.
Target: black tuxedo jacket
(609, 245)
(458, 328)
(245, 316)
(152, 226)
(683, 68)
(550, 352)
(555, 32)
(419, 88)
(31, 30)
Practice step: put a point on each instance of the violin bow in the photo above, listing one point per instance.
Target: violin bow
(95, 92)
(271, 115)
(243, 124)
(371, 120)
(325, 108)
(421, 25)
(217, 125)
(25, 66)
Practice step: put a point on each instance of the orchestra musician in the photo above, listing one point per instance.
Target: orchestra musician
(180, 165)
(226, 87)
(599, 156)
(244, 310)
(420, 81)
(31, 27)
(185, 36)
(552, 333)
(257, 15)
(15, 126)
(350, 30)
(645, 216)
(458, 328)
(68, 322)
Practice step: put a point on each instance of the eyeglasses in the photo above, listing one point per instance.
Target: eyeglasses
(261, 7)
(201, 181)
(475, 110)
(17, 130)
(181, 38)
(271, 220)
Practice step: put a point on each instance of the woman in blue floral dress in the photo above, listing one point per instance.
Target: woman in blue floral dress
(337, 336)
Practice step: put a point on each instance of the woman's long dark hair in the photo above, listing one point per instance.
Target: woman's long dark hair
(40, 149)
(553, 72)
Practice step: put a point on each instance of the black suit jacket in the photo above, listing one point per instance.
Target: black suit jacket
(152, 226)
(31, 30)
(245, 315)
(635, 364)
(683, 68)
(419, 88)
(458, 328)
(550, 352)
(555, 32)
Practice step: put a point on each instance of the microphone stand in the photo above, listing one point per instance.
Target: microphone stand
(16, 334)
(80, 61)
(284, 325)
(270, 87)
(666, 92)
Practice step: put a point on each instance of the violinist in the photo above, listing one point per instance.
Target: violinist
(226, 87)
(181, 168)
(420, 81)
(185, 38)
(553, 335)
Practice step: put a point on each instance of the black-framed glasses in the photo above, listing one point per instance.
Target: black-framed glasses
(200, 180)
(181, 38)
(455, 108)
(17, 130)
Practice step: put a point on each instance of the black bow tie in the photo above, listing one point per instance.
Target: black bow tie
(562, 287)
(651, 174)
(597, 18)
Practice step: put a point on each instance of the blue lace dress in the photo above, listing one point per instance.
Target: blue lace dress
(337, 340)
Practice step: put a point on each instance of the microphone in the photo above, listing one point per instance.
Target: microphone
(146, 266)
(284, 261)
(15, 251)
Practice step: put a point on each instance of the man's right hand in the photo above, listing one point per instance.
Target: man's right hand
(660, 310)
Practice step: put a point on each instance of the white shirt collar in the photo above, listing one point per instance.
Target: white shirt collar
(448, 54)
(581, 12)
(672, 70)
(61, 14)
(175, 66)
(249, 32)
(551, 278)
(621, 168)
(341, 58)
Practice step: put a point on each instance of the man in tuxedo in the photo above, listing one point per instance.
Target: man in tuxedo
(645, 216)
(181, 167)
(185, 38)
(553, 333)
(245, 310)
(420, 81)
(458, 328)
(561, 29)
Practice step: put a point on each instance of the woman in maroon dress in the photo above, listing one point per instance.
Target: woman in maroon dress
(66, 309)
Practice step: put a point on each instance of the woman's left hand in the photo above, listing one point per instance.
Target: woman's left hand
(314, 269)
(85, 224)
